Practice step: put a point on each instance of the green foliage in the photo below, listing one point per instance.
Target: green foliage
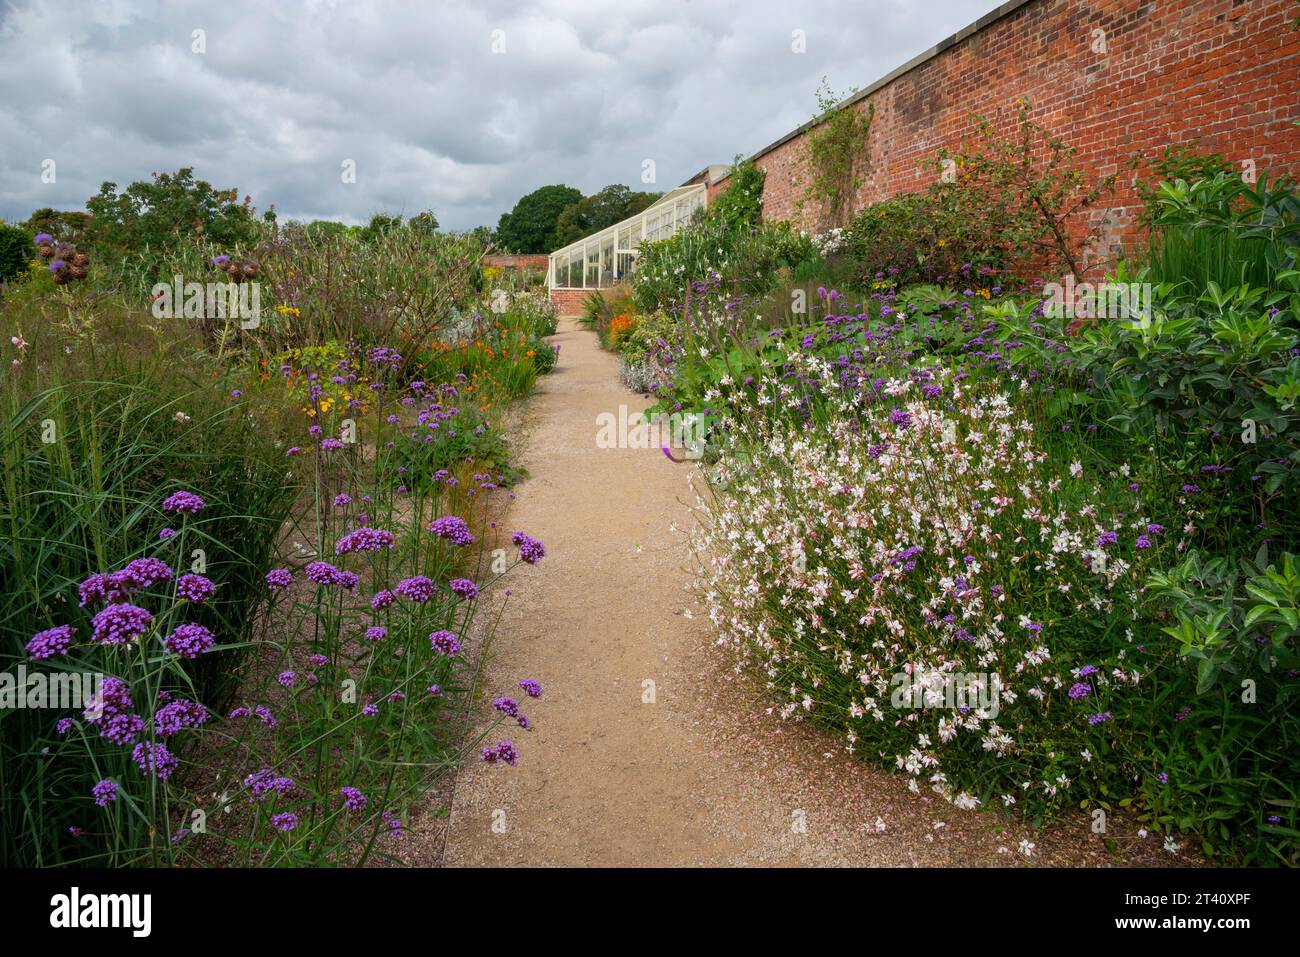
(740, 205)
(997, 204)
(530, 226)
(1222, 230)
(16, 251)
(838, 155)
(591, 214)
(169, 209)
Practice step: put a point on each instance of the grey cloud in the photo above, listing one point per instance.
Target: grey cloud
(414, 93)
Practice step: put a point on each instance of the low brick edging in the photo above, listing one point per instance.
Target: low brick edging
(569, 302)
(523, 261)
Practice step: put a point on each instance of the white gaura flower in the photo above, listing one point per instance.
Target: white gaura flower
(1027, 847)
(1076, 469)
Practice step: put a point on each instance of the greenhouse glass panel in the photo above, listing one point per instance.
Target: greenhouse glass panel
(593, 267)
(607, 262)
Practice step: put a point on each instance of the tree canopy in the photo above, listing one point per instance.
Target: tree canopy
(530, 226)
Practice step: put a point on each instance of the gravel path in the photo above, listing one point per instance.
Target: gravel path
(701, 775)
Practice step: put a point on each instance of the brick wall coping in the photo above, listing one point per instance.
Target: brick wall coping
(1011, 6)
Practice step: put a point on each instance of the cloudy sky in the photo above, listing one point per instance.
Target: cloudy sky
(460, 106)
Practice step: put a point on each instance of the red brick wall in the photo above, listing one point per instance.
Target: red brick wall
(523, 261)
(1224, 72)
(569, 301)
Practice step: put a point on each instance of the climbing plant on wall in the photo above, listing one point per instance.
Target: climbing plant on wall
(838, 156)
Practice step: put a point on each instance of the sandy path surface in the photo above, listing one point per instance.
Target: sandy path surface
(703, 775)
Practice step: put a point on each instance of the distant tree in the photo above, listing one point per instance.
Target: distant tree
(323, 228)
(16, 251)
(379, 224)
(167, 209)
(530, 226)
(424, 223)
(64, 226)
(484, 234)
(591, 214)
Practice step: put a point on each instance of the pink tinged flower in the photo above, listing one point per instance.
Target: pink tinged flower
(376, 633)
(504, 752)
(284, 822)
(353, 799)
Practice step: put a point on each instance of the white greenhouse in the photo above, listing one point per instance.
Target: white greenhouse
(601, 259)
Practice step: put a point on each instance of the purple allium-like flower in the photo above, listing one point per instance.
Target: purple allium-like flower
(100, 587)
(507, 706)
(1100, 717)
(322, 573)
(364, 539)
(278, 579)
(155, 759)
(120, 624)
(342, 499)
(50, 642)
(418, 588)
(183, 502)
(453, 529)
(1142, 542)
(464, 588)
(284, 822)
(382, 600)
(143, 573)
(1107, 538)
(189, 640)
(1163, 777)
(370, 710)
(42, 239)
(57, 265)
(221, 260)
(445, 642)
(104, 792)
(530, 549)
(175, 716)
(287, 679)
(376, 633)
(166, 533)
(504, 751)
(353, 799)
(531, 688)
(1080, 689)
(121, 729)
(195, 588)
